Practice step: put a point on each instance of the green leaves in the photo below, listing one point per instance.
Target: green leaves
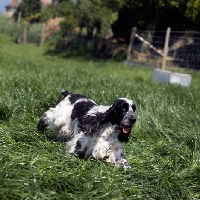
(193, 10)
(30, 11)
(85, 14)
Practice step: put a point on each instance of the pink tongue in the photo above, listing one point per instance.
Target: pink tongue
(125, 130)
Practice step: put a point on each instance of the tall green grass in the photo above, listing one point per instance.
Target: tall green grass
(164, 149)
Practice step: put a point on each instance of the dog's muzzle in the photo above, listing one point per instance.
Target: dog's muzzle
(127, 122)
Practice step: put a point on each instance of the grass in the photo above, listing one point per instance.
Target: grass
(164, 149)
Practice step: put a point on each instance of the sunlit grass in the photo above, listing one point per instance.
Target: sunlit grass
(164, 150)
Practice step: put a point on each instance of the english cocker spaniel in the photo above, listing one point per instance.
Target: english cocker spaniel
(89, 129)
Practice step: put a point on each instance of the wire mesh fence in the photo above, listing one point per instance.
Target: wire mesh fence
(183, 49)
(146, 46)
(21, 33)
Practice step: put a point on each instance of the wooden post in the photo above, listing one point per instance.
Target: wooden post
(19, 17)
(65, 37)
(133, 32)
(42, 35)
(25, 32)
(165, 51)
(94, 34)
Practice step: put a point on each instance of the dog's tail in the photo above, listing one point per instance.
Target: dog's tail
(65, 93)
(41, 126)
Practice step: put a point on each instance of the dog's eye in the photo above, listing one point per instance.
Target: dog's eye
(125, 107)
(134, 107)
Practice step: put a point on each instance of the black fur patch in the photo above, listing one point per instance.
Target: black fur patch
(91, 124)
(65, 93)
(41, 126)
(118, 110)
(74, 97)
(80, 154)
(122, 137)
(81, 109)
(134, 107)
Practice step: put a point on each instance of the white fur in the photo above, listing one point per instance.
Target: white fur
(103, 145)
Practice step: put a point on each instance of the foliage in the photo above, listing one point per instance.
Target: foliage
(81, 15)
(84, 13)
(155, 14)
(143, 14)
(12, 29)
(163, 150)
(30, 11)
(34, 34)
(112, 4)
(32, 17)
(193, 10)
(147, 14)
(91, 15)
(4, 23)
(120, 16)
(16, 31)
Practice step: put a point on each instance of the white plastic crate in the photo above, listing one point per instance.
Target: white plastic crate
(161, 76)
(182, 79)
(164, 76)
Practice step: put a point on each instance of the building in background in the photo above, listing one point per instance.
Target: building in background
(11, 8)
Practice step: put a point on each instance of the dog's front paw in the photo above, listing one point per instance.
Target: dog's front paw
(126, 165)
(123, 163)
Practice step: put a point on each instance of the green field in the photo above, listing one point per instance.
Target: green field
(164, 149)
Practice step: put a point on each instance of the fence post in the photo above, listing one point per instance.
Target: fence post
(42, 35)
(19, 17)
(133, 32)
(25, 32)
(94, 34)
(166, 48)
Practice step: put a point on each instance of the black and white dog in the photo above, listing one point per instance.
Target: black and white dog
(90, 129)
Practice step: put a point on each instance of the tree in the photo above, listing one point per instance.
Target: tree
(91, 15)
(86, 13)
(30, 10)
(193, 11)
(155, 14)
(65, 9)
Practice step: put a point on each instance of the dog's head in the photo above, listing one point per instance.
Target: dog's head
(122, 115)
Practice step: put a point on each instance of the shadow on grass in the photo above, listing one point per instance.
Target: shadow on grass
(77, 54)
(5, 112)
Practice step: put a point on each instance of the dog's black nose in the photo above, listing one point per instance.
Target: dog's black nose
(133, 120)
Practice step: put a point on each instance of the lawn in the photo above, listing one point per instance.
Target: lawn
(164, 149)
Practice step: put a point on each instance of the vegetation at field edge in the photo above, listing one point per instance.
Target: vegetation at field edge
(164, 149)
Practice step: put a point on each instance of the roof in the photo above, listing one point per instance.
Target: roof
(15, 3)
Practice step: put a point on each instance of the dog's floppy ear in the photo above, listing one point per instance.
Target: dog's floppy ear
(134, 107)
(117, 104)
(91, 124)
(113, 113)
